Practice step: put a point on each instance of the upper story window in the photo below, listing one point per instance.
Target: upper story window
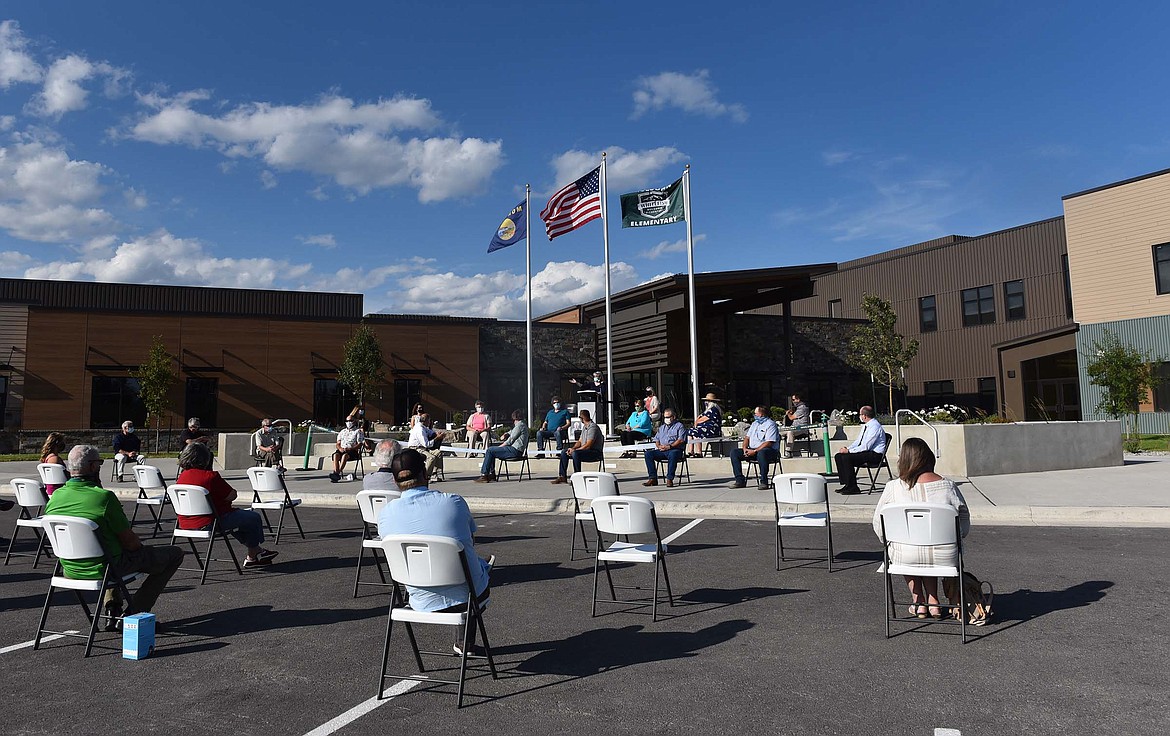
(978, 306)
(1013, 299)
(927, 314)
(1162, 268)
(834, 307)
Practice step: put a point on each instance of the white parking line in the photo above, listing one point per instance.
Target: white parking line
(947, 732)
(361, 709)
(682, 531)
(26, 644)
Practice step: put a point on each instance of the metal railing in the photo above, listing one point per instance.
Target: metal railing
(898, 427)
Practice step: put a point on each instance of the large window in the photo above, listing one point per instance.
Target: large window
(407, 393)
(939, 392)
(927, 314)
(331, 401)
(1162, 390)
(113, 400)
(1013, 299)
(1162, 267)
(978, 306)
(1068, 307)
(203, 401)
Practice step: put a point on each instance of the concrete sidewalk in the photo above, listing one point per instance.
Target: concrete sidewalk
(1133, 495)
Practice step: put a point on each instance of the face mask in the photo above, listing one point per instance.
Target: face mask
(349, 425)
(130, 430)
(669, 420)
(557, 407)
(479, 410)
(759, 418)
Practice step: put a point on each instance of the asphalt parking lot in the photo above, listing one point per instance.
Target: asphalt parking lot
(1079, 644)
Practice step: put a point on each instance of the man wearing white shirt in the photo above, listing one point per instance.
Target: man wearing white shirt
(429, 443)
(349, 447)
(867, 450)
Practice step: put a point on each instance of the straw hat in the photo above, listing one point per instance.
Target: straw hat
(712, 397)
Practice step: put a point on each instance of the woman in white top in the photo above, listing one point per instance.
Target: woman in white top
(918, 483)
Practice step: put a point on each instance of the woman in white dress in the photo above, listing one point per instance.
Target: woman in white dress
(918, 483)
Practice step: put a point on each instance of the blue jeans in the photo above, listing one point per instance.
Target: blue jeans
(672, 458)
(579, 456)
(245, 525)
(558, 435)
(764, 457)
(489, 458)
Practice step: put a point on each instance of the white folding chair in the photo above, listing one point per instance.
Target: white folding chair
(189, 500)
(921, 525)
(588, 485)
(370, 503)
(628, 515)
(31, 498)
(52, 474)
(423, 561)
(73, 538)
(152, 492)
(118, 466)
(271, 480)
(801, 489)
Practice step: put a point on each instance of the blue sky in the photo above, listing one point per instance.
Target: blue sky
(375, 147)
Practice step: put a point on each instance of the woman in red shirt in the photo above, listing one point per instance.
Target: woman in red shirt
(244, 524)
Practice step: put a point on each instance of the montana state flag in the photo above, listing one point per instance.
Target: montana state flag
(511, 230)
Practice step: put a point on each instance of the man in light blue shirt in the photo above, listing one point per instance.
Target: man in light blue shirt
(668, 446)
(868, 450)
(761, 444)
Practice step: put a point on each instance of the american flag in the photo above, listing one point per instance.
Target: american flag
(574, 205)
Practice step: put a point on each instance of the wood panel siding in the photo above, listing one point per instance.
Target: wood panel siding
(13, 349)
(1111, 234)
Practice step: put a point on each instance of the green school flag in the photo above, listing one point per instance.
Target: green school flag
(653, 206)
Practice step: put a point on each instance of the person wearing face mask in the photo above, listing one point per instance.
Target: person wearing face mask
(83, 496)
(600, 390)
(668, 446)
(761, 444)
(479, 428)
(653, 408)
(513, 446)
(638, 428)
(349, 447)
(556, 425)
(429, 443)
(707, 424)
(126, 449)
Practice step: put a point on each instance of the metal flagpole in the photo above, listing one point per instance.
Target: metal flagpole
(691, 294)
(606, 401)
(528, 290)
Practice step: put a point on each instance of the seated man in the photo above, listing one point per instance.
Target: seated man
(556, 425)
(513, 446)
(349, 447)
(126, 449)
(382, 479)
(269, 445)
(868, 449)
(798, 421)
(587, 449)
(428, 442)
(760, 444)
(423, 511)
(244, 524)
(193, 433)
(479, 428)
(668, 445)
(83, 496)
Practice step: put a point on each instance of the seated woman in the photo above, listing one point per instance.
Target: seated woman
(639, 427)
(479, 428)
(244, 524)
(51, 453)
(918, 483)
(707, 424)
(415, 413)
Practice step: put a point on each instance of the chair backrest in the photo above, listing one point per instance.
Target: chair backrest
(889, 441)
(920, 524)
(190, 500)
(371, 503)
(424, 561)
(72, 537)
(52, 474)
(800, 488)
(593, 484)
(265, 479)
(29, 492)
(149, 478)
(623, 515)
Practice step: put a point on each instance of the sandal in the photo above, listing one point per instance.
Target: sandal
(917, 610)
(935, 613)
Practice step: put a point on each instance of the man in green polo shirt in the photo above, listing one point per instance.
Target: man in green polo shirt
(83, 496)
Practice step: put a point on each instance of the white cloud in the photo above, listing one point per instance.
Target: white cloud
(835, 158)
(63, 91)
(624, 169)
(13, 263)
(670, 246)
(16, 65)
(268, 179)
(325, 240)
(693, 93)
(358, 146)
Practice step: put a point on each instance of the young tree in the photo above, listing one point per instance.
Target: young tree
(361, 364)
(1125, 375)
(878, 350)
(156, 375)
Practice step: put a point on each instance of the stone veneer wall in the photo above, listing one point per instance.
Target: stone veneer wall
(557, 349)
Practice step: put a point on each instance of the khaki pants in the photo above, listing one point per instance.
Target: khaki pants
(434, 460)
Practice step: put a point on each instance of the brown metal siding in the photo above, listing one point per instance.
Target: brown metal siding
(943, 269)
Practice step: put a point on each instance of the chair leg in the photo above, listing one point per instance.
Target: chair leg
(40, 547)
(780, 544)
(666, 579)
(829, 542)
(210, 544)
(596, 563)
(467, 631)
(609, 577)
(487, 647)
(654, 602)
(296, 518)
(235, 560)
(358, 577)
(44, 616)
(386, 650)
(11, 542)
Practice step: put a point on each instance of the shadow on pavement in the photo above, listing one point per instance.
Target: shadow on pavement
(507, 574)
(1026, 605)
(252, 619)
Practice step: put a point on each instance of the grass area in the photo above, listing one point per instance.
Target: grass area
(1148, 443)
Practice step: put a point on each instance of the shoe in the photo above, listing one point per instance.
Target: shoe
(669, 483)
(935, 613)
(258, 562)
(919, 611)
(763, 485)
(266, 554)
(334, 477)
(476, 650)
(737, 484)
(5, 505)
(113, 616)
(483, 479)
(491, 560)
(653, 482)
(849, 490)
(559, 480)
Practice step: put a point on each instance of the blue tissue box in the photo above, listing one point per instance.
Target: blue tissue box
(138, 636)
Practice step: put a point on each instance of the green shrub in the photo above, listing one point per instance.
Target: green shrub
(459, 419)
(745, 413)
(777, 413)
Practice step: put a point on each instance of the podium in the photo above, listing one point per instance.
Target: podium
(587, 400)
